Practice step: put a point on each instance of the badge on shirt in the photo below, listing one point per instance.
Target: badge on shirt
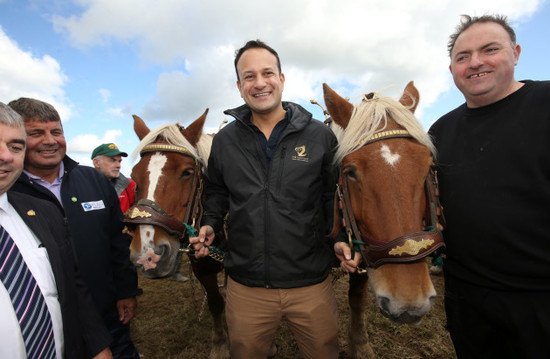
(93, 206)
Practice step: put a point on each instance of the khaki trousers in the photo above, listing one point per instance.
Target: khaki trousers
(253, 315)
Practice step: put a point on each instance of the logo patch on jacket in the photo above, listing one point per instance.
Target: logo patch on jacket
(93, 206)
(301, 154)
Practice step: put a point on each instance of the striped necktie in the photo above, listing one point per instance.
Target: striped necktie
(27, 299)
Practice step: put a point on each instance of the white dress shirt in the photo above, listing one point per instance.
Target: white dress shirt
(36, 258)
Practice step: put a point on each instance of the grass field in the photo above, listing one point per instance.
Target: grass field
(172, 324)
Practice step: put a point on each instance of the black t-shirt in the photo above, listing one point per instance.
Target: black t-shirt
(494, 173)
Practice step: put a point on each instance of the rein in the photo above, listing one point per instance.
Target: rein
(149, 212)
(405, 249)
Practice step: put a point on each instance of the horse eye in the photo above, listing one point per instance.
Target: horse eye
(350, 173)
(187, 173)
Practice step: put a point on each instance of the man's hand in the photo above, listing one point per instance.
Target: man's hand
(104, 354)
(205, 237)
(344, 254)
(126, 309)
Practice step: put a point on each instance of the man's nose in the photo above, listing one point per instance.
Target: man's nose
(476, 60)
(260, 82)
(49, 138)
(5, 155)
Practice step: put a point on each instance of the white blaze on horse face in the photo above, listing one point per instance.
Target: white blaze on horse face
(388, 156)
(147, 232)
(156, 164)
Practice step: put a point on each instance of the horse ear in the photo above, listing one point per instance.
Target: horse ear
(410, 97)
(193, 132)
(140, 128)
(338, 107)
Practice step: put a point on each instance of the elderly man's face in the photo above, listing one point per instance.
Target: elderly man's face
(109, 166)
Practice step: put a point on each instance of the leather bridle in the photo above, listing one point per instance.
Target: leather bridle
(405, 249)
(149, 212)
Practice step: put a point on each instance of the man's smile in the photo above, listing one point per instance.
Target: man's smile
(481, 74)
(262, 94)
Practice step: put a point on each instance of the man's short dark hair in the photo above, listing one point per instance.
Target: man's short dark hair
(35, 110)
(255, 44)
(468, 21)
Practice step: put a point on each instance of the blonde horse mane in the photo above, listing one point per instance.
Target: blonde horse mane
(172, 135)
(371, 116)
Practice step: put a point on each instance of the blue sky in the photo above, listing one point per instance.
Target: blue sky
(100, 61)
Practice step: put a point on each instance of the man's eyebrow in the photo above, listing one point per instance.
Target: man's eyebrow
(468, 51)
(492, 43)
(19, 141)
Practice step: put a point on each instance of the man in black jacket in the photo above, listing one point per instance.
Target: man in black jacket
(92, 209)
(39, 231)
(272, 170)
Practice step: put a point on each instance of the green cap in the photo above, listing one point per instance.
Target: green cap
(108, 149)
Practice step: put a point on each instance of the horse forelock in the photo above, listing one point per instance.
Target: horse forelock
(171, 134)
(370, 117)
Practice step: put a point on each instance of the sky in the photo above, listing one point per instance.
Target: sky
(100, 61)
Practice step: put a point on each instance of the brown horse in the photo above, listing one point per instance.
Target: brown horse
(168, 209)
(387, 199)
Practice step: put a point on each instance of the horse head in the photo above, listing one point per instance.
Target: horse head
(169, 185)
(385, 158)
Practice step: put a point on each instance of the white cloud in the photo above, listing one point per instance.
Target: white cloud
(24, 75)
(86, 143)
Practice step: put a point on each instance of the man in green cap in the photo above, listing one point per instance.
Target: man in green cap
(107, 159)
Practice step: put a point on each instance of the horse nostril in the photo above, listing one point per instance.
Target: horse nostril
(384, 303)
(432, 299)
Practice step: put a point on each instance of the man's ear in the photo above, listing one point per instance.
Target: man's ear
(239, 87)
(517, 51)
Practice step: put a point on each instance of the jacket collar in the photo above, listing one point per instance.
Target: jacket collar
(68, 164)
(299, 119)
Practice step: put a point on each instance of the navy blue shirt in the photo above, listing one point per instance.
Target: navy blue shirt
(268, 146)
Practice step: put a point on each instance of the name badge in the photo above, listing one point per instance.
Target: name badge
(93, 206)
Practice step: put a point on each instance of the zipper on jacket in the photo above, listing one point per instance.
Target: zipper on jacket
(266, 231)
(281, 169)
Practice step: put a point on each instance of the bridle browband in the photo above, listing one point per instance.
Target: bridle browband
(149, 212)
(405, 249)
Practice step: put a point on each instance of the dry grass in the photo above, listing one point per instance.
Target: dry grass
(171, 324)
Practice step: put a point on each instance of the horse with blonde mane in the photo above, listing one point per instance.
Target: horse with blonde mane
(168, 210)
(388, 206)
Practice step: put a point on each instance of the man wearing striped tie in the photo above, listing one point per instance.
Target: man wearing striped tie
(46, 310)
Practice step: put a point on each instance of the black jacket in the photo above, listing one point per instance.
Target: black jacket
(84, 333)
(278, 216)
(102, 249)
